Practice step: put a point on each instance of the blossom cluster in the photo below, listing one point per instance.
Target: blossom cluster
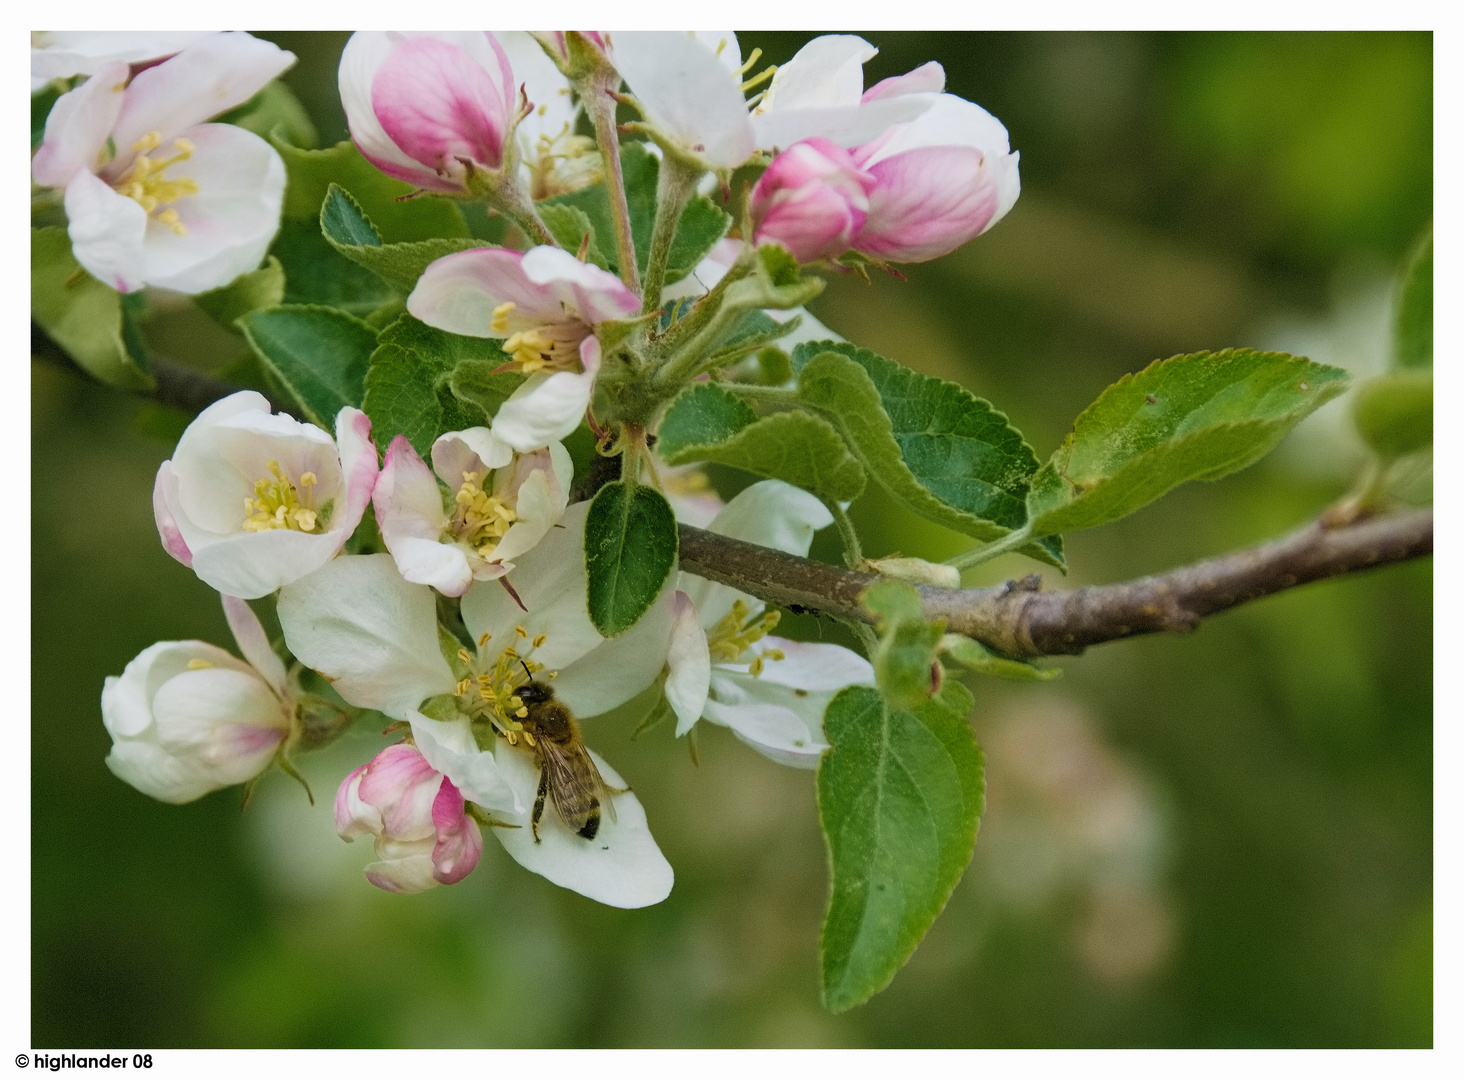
(467, 584)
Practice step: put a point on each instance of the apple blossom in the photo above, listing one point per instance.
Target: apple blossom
(187, 718)
(724, 666)
(376, 637)
(501, 503)
(813, 200)
(423, 836)
(545, 303)
(60, 54)
(690, 87)
(153, 195)
(252, 501)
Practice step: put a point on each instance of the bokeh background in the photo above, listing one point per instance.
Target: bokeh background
(1218, 840)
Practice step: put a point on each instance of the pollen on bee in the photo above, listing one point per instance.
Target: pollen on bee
(522, 712)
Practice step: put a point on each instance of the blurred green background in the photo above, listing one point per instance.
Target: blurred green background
(1219, 840)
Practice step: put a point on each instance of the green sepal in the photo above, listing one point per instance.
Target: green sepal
(571, 226)
(905, 656)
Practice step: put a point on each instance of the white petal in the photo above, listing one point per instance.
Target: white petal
(547, 408)
(445, 567)
(127, 700)
(539, 506)
(826, 73)
(108, 232)
(251, 565)
(78, 126)
(254, 642)
(207, 78)
(64, 53)
(449, 748)
(153, 771)
(471, 450)
(230, 222)
(689, 665)
(621, 866)
(847, 126)
(581, 288)
(622, 666)
(687, 93)
(227, 722)
(812, 665)
(773, 719)
(373, 634)
(406, 866)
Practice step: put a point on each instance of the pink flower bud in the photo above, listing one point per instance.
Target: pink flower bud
(813, 200)
(423, 837)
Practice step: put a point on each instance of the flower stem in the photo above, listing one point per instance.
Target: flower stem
(673, 190)
(601, 105)
(853, 554)
(978, 555)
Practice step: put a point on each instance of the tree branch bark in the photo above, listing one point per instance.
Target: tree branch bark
(1021, 619)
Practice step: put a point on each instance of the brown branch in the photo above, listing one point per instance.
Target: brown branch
(1021, 619)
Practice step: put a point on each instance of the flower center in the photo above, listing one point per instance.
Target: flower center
(480, 519)
(553, 345)
(736, 634)
(488, 692)
(278, 504)
(563, 163)
(143, 182)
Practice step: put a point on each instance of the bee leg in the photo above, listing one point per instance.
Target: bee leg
(539, 802)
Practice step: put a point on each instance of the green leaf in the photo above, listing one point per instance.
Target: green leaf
(311, 172)
(905, 655)
(570, 225)
(257, 289)
(781, 266)
(347, 228)
(974, 656)
(900, 797)
(82, 315)
(41, 104)
(315, 273)
(630, 551)
(161, 422)
(707, 423)
(1194, 417)
(1394, 412)
(1413, 321)
(702, 223)
(408, 388)
(476, 382)
(319, 354)
(775, 365)
(276, 111)
(945, 453)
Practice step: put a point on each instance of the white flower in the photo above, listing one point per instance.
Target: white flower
(546, 304)
(501, 503)
(723, 664)
(60, 54)
(154, 196)
(691, 87)
(376, 637)
(251, 501)
(187, 718)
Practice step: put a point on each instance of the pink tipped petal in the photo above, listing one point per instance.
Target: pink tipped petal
(689, 665)
(78, 126)
(438, 105)
(354, 818)
(254, 642)
(458, 293)
(363, 56)
(358, 469)
(402, 785)
(459, 841)
(927, 202)
(582, 288)
(165, 497)
(207, 78)
(406, 497)
(926, 79)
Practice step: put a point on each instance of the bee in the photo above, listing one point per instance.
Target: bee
(567, 773)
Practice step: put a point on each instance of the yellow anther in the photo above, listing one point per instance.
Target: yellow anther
(527, 737)
(143, 181)
(462, 687)
(529, 349)
(465, 656)
(481, 519)
(308, 479)
(484, 639)
(511, 737)
(554, 674)
(736, 633)
(151, 141)
(198, 665)
(277, 504)
(539, 640)
(520, 631)
(499, 323)
(511, 653)
(755, 668)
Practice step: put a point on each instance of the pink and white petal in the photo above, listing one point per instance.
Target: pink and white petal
(402, 785)
(547, 408)
(474, 449)
(127, 700)
(948, 120)
(459, 841)
(847, 126)
(621, 866)
(78, 126)
(446, 567)
(165, 498)
(928, 202)
(694, 99)
(353, 817)
(229, 223)
(64, 53)
(459, 292)
(688, 663)
(251, 565)
(362, 57)
(406, 497)
(593, 294)
(254, 643)
(538, 511)
(155, 772)
(928, 78)
(228, 721)
(450, 749)
(828, 72)
(403, 866)
(373, 634)
(550, 580)
(776, 720)
(209, 77)
(108, 232)
(620, 667)
(438, 104)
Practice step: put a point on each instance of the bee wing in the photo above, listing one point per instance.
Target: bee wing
(574, 783)
(604, 790)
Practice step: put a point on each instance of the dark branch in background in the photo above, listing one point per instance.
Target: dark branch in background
(1018, 619)
(177, 385)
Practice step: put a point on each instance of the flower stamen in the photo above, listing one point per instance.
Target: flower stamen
(278, 504)
(143, 181)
